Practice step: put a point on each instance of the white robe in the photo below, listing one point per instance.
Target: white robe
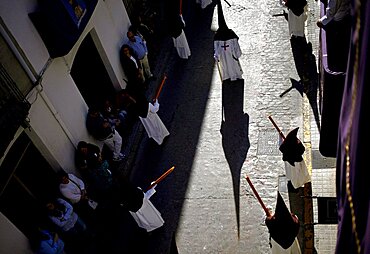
(148, 217)
(297, 23)
(277, 249)
(298, 174)
(182, 46)
(227, 55)
(154, 125)
(204, 3)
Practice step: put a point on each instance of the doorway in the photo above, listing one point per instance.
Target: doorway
(27, 183)
(90, 75)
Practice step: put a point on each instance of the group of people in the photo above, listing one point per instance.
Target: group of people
(73, 213)
(134, 57)
(112, 121)
(67, 214)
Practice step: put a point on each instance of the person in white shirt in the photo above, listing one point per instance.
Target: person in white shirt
(72, 187)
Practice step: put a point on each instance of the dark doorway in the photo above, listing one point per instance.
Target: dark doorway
(27, 183)
(89, 73)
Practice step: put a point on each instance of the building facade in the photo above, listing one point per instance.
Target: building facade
(50, 81)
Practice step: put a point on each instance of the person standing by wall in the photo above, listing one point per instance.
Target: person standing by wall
(141, 51)
(133, 70)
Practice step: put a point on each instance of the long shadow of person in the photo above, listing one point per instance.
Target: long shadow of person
(234, 131)
(312, 82)
(305, 63)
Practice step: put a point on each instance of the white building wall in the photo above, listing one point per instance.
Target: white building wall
(15, 17)
(58, 111)
(11, 239)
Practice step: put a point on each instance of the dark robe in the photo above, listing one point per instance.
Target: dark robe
(359, 173)
(283, 226)
(131, 196)
(176, 26)
(292, 148)
(297, 6)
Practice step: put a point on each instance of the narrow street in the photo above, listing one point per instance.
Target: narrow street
(219, 133)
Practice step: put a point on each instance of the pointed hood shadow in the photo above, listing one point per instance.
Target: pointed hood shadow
(295, 85)
(234, 131)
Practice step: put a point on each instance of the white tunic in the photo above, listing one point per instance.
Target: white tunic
(148, 217)
(182, 46)
(204, 3)
(277, 249)
(297, 23)
(227, 55)
(154, 125)
(298, 174)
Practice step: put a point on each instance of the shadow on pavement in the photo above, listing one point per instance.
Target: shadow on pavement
(305, 63)
(183, 103)
(234, 131)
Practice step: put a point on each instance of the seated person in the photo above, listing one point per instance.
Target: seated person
(72, 187)
(47, 242)
(101, 129)
(61, 214)
(85, 154)
(99, 179)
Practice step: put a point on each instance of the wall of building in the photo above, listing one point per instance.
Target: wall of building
(11, 239)
(58, 112)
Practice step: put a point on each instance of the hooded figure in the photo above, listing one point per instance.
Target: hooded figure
(295, 167)
(153, 124)
(226, 49)
(147, 216)
(177, 25)
(292, 148)
(283, 226)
